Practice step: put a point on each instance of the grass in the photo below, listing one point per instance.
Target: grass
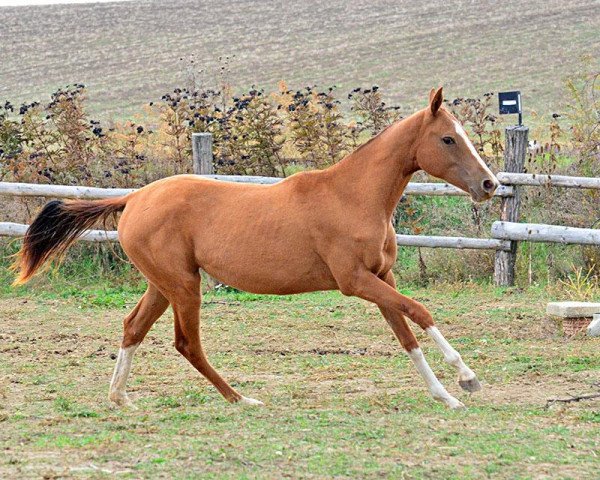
(342, 400)
(469, 48)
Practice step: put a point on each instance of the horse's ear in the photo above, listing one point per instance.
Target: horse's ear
(435, 99)
(431, 94)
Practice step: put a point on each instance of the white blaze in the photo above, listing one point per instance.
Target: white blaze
(460, 131)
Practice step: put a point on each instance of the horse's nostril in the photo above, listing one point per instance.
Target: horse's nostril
(488, 185)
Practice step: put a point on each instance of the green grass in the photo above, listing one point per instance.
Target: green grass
(342, 400)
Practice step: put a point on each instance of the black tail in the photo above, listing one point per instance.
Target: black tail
(56, 227)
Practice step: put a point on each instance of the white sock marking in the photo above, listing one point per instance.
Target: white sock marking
(450, 355)
(119, 380)
(250, 401)
(433, 384)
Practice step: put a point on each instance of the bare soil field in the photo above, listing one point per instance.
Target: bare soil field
(129, 53)
(342, 400)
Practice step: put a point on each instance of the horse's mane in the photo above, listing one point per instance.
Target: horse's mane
(372, 139)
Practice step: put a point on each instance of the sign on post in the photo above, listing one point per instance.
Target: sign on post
(510, 104)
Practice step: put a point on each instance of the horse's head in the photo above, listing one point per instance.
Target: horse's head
(445, 151)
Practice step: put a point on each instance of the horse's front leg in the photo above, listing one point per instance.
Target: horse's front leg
(364, 284)
(466, 377)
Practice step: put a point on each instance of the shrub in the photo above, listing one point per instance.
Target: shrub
(277, 133)
(372, 112)
(252, 137)
(583, 112)
(316, 126)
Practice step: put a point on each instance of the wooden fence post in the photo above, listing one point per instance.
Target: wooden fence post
(202, 157)
(515, 153)
(202, 144)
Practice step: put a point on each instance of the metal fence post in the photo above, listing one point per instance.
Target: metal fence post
(202, 155)
(515, 153)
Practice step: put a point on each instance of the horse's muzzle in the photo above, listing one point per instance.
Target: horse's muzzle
(485, 190)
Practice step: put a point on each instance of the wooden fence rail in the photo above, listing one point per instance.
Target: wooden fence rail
(66, 191)
(542, 180)
(9, 229)
(59, 191)
(536, 232)
(451, 242)
(504, 235)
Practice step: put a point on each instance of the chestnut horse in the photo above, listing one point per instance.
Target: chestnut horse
(317, 230)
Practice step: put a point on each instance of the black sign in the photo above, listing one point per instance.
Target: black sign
(510, 102)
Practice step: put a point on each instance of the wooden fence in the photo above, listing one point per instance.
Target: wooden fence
(505, 233)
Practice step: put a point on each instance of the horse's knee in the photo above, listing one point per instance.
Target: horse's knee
(420, 315)
(426, 320)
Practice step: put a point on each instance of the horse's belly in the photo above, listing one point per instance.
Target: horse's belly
(262, 275)
(264, 262)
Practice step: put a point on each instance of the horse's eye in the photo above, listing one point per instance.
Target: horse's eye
(448, 140)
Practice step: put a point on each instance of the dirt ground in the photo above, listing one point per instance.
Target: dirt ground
(342, 401)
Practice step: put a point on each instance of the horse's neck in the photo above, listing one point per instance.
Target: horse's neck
(375, 175)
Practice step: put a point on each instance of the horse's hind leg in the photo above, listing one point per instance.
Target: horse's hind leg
(186, 306)
(135, 327)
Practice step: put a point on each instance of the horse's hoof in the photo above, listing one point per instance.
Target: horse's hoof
(471, 385)
(454, 404)
(250, 401)
(122, 401)
(449, 401)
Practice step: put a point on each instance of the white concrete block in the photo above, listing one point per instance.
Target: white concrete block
(572, 309)
(593, 329)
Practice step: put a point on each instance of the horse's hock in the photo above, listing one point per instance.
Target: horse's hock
(576, 316)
